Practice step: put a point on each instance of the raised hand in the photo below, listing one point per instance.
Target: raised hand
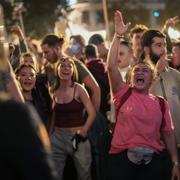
(170, 23)
(162, 64)
(16, 29)
(120, 27)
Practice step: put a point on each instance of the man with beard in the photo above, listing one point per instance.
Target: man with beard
(167, 82)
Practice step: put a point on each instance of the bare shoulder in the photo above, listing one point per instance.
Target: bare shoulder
(79, 87)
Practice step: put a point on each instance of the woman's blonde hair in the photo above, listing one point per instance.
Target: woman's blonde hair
(75, 72)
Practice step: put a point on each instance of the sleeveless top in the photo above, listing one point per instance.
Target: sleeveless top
(68, 115)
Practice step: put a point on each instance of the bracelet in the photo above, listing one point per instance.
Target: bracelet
(119, 36)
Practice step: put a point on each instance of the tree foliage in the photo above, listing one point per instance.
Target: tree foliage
(38, 19)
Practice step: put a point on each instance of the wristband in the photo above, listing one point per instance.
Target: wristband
(119, 36)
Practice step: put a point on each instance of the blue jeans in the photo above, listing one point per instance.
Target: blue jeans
(62, 146)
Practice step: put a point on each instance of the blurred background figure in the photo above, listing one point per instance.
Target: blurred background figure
(62, 22)
(125, 57)
(29, 58)
(25, 149)
(76, 47)
(99, 70)
(135, 37)
(99, 41)
(27, 75)
(176, 56)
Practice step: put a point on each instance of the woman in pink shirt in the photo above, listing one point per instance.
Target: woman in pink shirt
(141, 130)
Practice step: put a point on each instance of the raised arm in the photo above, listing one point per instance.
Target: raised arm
(115, 77)
(171, 22)
(22, 39)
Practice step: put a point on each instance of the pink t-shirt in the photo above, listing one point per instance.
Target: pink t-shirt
(139, 122)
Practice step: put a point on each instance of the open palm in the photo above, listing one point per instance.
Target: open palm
(120, 27)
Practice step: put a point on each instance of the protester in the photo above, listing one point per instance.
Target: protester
(29, 58)
(99, 70)
(167, 82)
(135, 36)
(125, 60)
(176, 56)
(76, 47)
(16, 50)
(99, 41)
(136, 149)
(26, 75)
(70, 129)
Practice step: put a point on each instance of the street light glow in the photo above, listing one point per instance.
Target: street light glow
(156, 14)
(173, 34)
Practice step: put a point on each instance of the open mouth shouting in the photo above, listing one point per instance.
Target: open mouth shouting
(140, 81)
(141, 77)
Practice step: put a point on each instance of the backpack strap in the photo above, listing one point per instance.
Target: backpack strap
(163, 108)
(121, 102)
(123, 99)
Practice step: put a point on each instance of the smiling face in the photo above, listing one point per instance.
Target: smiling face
(27, 78)
(141, 77)
(65, 70)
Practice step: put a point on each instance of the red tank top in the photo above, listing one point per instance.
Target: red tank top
(69, 115)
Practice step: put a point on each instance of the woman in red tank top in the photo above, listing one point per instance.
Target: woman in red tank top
(70, 129)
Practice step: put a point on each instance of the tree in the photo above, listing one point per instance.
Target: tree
(39, 18)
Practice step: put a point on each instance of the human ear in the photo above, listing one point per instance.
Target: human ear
(146, 50)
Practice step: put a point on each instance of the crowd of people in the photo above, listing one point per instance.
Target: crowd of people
(60, 102)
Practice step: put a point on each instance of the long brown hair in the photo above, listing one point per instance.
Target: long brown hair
(75, 72)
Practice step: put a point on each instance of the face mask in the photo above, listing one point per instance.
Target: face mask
(74, 48)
